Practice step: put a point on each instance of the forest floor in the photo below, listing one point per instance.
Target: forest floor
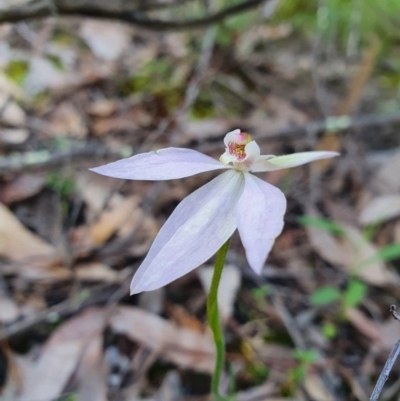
(76, 93)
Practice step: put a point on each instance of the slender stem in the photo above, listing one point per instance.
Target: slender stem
(214, 320)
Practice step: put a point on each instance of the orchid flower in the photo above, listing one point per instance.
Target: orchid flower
(207, 218)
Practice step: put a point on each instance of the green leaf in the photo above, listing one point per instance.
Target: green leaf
(321, 223)
(56, 61)
(324, 296)
(354, 294)
(309, 356)
(17, 70)
(261, 292)
(388, 252)
(329, 330)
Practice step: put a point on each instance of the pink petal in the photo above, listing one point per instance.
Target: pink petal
(260, 219)
(230, 136)
(165, 164)
(287, 161)
(194, 232)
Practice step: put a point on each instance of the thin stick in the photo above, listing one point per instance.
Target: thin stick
(389, 363)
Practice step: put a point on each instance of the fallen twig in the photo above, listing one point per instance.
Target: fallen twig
(389, 363)
(45, 8)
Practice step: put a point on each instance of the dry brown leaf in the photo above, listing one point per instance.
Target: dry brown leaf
(316, 388)
(67, 119)
(383, 335)
(22, 187)
(111, 220)
(96, 190)
(352, 252)
(183, 318)
(364, 325)
(95, 271)
(91, 374)
(60, 355)
(184, 347)
(18, 243)
(11, 113)
(102, 107)
(326, 245)
(47, 269)
(356, 251)
(380, 209)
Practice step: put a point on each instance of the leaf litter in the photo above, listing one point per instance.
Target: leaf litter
(71, 327)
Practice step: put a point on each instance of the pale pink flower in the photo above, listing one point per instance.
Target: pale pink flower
(204, 220)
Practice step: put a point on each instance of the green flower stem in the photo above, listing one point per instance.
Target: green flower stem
(214, 320)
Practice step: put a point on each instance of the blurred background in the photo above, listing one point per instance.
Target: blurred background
(86, 82)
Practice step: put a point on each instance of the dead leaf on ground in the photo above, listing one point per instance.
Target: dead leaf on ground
(31, 257)
(357, 251)
(60, 355)
(66, 119)
(91, 374)
(95, 271)
(384, 335)
(43, 74)
(102, 107)
(352, 252)
(107, 40)
(11, 112)
(111, 220)
(364, 324)
(17, 242)
(380, 209)
(183, 318)
(316, 388)
(186, 348)
(326, 245)
(22, 187)
(95, 190)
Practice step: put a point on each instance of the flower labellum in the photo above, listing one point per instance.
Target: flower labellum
(206, 219)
